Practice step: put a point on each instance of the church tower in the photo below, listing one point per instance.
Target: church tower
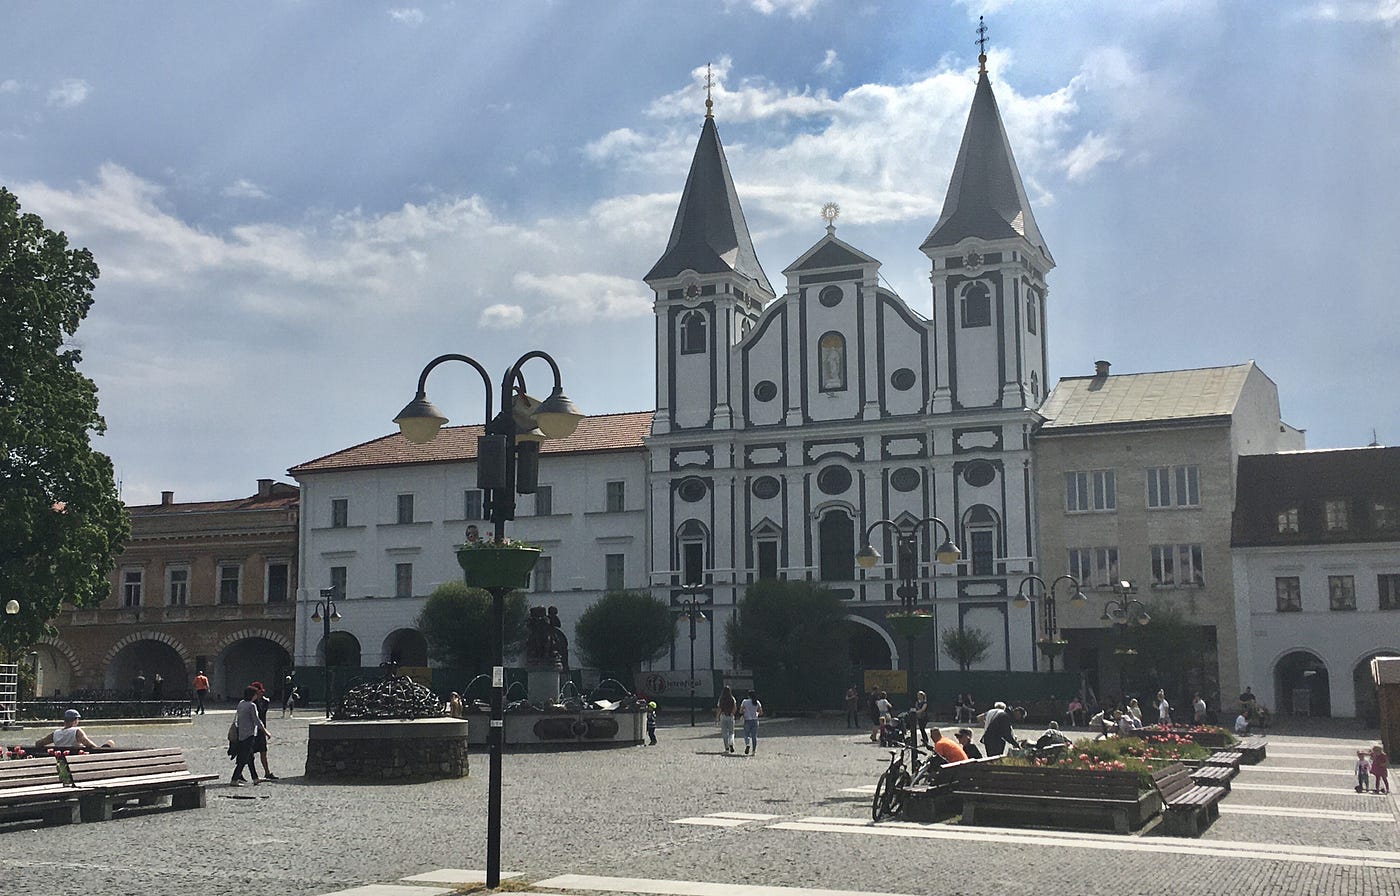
(709, 289)
(989, 265)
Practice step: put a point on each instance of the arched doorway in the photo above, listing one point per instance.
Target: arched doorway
(344, 650)
(407, 647)
(1301, 685)
(55, 674)
(145, 659)
(248, 660)
(1363, 689)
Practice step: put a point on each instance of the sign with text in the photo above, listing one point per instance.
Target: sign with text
(677, 684)
(896, 681)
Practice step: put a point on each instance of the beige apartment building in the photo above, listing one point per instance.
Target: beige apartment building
(1135, 483)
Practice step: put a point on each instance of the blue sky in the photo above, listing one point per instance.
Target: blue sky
(296, 205)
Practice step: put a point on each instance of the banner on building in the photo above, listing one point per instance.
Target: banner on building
(677, 685)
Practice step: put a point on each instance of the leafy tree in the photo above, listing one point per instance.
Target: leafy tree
(624, 629)
(790, 627)
(1161, 653)
(456, 623)
(965, 646)
(61, 520)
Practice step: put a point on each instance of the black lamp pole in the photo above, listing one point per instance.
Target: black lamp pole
(906, 545)
(690, 609)
(324, 611)
(1024, 594)
(1122, 613)
(507, 464)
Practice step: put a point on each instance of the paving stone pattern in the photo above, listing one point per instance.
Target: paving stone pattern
(613, 813)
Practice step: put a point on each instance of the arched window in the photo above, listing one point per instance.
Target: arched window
(981, 524)
(691, 541)
(831, 357)
(976, 306)
(693, 333)
(837, 538)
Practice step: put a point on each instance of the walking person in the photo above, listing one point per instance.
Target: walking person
(852, 707)
(1363, 770)
(157, 687)
(201, 690)
(886, 715)
(1380, 768)
(872, 709)
(921, 716)
(752, 711)
(725, 710)
(1164, 709)
(1198, 709)
(139, 685)
(289, 706)
(651, 721)
(245, 720)
(262, 702)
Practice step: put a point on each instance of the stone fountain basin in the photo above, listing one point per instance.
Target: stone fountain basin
(387, 749)
(563, 730)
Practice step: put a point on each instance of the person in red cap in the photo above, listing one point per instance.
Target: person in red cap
(262, 702)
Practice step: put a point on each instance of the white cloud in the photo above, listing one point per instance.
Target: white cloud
(408, 15)
(1382, 12)
(751, 100)
(501, 317)
(9, 85)
(584, 297)
(244, 189)
(69, 93)
(1093, 150)
(797, 9)
(831, 63)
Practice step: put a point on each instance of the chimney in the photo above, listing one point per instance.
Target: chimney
(167, 498)
(1101, 368)
(264, 488)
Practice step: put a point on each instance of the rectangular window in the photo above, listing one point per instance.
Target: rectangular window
(1388, 584)
(405, 509)
(692, 563)
(1338, 516)
(617, 497)
(613, 571)
(340, 513)
(177, 585)
(544, 500)
(230, 576)
(1288, 593)
(471, 504)
(1288, 521)
(983, 552)
(1096, 567)
(1087, 490)
(1177, 564)
(338, 580)
(1385, 515)
(1030, 316)
(278, 582)
(1341, 592)
(1076, 492)
(131, 587)
(1174, 486)
(767, 559)
(403, 580)
(542, 579)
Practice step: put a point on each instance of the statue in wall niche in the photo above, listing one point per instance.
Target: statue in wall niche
(559, 641)
(538, 650)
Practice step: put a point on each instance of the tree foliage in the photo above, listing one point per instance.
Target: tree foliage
(61, 519)
(965, 646)
(624, 629)
(792, 627)
(456, 623)
(1160, 653)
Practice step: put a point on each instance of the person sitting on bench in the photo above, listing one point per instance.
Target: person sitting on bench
(1052, 736)
(70, 736)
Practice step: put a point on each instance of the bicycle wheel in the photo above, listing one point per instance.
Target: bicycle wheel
(880, 806)
(896, 798)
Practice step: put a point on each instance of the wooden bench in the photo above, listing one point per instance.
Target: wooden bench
(1214, 775)
(34, 788)
(1227, 758)
(1055, 798)
(937, 798)
(1187, 807)
(1252, 749)
(106, 780)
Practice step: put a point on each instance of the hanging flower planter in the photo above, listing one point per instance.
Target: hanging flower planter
(493, 565)
(911, 624)
(1052, 647)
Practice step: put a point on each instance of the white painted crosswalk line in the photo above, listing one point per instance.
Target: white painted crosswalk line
(1281, 812)
(685, 887)
(1253, 770)
(865, 789)
(1288, 788)
(725, 819)
(455, 876)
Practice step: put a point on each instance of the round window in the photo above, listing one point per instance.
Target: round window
(830, 296)
(905, 479)
(766, 390)
(903, 379)
(766, 487)
(979, 473)
(834, 480)
(691, 490)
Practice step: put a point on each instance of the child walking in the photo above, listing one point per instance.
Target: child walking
(1380, 768)
(651, 722)
(1363, 770)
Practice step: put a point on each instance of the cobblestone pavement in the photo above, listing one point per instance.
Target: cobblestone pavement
(796, 814)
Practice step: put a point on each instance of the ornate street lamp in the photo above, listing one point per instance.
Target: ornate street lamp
(507, 463)
(9, 712)
(689, 609)
(910, 621)
(325, 612)
(1122, 613)
(1050, 644)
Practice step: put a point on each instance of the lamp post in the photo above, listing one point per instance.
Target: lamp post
(11, 609)
(325, 611)
(690, 610)
(1123, 612)
(1025, 594)
(507, 463)
(907, 570)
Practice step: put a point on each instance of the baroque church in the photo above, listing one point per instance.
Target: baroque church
(788, 424)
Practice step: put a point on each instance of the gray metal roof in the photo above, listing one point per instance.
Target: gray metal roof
(1145, 397)
(986, 198)
(710, 235)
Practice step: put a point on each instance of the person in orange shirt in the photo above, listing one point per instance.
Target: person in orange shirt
(201, 688)
(945, 747)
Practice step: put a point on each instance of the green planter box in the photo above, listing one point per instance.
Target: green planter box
(909, 625)
(506, 567)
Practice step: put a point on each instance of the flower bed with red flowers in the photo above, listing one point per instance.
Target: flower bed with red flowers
(1141, 756)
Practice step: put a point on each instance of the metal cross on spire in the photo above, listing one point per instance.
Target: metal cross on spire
(981, 45)
(709, 102)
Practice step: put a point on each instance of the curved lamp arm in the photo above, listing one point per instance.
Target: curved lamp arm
(557, 417)
(420, 420)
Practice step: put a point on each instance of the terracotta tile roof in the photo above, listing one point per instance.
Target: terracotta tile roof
(1145, 397)
(455, 444)
(283, 496)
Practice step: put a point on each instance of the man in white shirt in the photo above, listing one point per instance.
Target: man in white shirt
(751, 709)
(70, 736)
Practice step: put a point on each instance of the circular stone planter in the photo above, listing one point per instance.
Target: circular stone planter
(387, 750)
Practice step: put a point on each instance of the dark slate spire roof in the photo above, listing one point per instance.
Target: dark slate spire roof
(710, 236)
(986, 198)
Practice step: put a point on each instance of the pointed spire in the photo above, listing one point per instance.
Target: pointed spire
(985, 198)
(710, 235)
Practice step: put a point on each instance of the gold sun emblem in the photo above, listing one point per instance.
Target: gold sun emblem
(830, 212)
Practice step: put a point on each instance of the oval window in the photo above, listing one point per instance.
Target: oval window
(691, 490)
(905, 479)
(834, 480)
(903, 379)
(979, 473)
(766, 390)
(830, 296)
(766, 487)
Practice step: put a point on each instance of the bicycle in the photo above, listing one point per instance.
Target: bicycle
(901, 774)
